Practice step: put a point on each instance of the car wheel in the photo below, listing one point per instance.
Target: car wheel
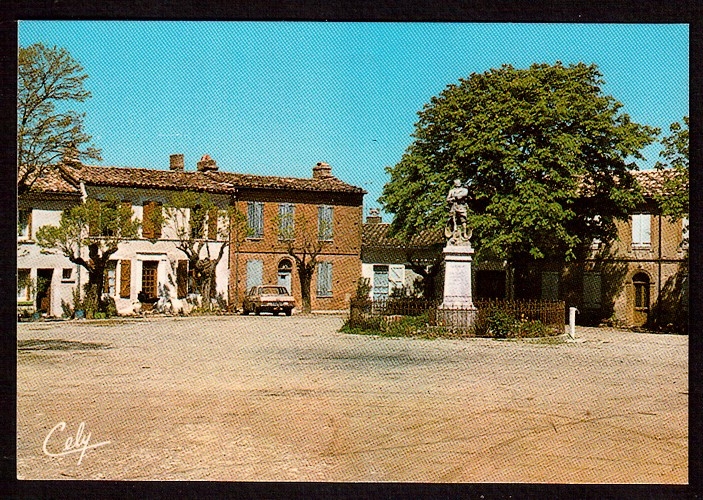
(257, 311)
(288, 312)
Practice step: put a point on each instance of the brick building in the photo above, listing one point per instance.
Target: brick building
(321, 209)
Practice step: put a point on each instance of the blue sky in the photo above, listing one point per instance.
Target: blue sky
(275, 98)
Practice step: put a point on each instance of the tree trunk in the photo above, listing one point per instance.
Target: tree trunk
(305, 276)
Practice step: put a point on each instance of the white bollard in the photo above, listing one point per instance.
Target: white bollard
(572, 322)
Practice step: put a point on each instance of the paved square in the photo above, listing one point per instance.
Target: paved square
(292, 399)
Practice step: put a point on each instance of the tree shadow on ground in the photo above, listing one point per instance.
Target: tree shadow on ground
(57, 345)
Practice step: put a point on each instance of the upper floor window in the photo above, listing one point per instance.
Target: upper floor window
(213, 219)
(152, 218)
(325, 223)
(641, 230)
(255, 219)
(197, 223)
(286, 223)
(24, 225)
(684, 232)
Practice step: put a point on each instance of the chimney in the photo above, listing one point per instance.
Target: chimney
(322, 171)
(70, 155)
(177, 162)
(374, 216)
(207, 164)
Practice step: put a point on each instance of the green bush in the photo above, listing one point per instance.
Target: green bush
(533, 328)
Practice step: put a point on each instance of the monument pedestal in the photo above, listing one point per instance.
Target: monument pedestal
(457, 309)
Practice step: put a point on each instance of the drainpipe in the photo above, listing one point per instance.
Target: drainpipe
(236, 257)
(84, 197)
(659, 271)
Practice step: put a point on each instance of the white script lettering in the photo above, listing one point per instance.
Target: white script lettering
(79, 443)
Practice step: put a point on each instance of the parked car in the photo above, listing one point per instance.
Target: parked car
(268, 298)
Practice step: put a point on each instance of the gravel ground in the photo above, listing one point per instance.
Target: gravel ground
(292, 399)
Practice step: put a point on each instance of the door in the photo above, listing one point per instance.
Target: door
(150, 284)
(285, 268)
(44, 277)
(380, 282)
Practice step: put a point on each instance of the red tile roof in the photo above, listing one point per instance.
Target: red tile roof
(652, 181)
(52, 181)
(376, 235)
(210, 181)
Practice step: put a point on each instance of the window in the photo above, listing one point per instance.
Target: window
(641, 230)
(197, 222)
(255, 273)
(213, 217)
(324, 279)
(255, 219)
(684, 233)
(24, 225)
(595, 222)
(591, 290)
(324, 223)
(641, 283)
(24, 285)
(67, 274)
(151, 220)
(550, 285)
(109, 282)
(286, 223)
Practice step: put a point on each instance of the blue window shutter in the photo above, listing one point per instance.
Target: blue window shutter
(286, 215)
(324, 222)
(255, 218)
(255, 273)
(324, 279)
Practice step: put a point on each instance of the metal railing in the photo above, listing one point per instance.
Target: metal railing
(459, 317)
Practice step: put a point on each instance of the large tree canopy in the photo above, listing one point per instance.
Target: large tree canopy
(674, 197)
(545, 153)
(48, 79)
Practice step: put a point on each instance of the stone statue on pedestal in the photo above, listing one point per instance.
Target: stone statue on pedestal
(456, 229)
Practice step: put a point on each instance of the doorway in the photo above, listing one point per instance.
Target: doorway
(380, 282)
(44, 277)
(150, 283)
(285, 270)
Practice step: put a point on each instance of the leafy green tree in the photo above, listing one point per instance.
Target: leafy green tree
(96, 226)
(48, 80)
(673, 199)
(543, 151)
(198, 222)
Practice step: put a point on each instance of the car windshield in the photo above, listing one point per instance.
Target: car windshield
(274, 290)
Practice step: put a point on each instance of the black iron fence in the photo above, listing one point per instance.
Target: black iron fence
(501, 318)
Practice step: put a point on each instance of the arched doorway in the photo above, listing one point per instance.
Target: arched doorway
(641, 299)
(285, 270)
